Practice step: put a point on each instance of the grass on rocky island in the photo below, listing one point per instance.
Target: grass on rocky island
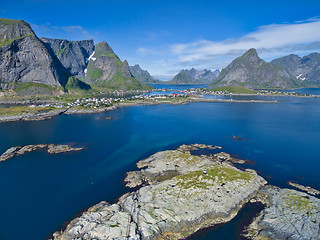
(177, 156)
(198, 179)
(299, 203)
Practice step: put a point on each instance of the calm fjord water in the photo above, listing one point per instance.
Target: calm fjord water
(39, 192)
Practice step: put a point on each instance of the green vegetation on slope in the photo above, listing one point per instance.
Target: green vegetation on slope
(7, 42)
(120, 82)
(28, 85)
(76, 85)
(234, 89)
(93, 72)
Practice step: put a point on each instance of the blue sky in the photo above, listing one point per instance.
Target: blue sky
(166, 36)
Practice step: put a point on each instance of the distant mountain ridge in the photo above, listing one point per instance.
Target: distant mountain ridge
(305, 69)
(194, 76)
(24, 58)
(143, 75)
(251, 71)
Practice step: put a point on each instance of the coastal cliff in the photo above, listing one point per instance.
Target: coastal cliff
(24, 58)
(73, 55)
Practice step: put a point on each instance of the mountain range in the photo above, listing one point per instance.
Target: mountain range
(24, 58)
(59, 64)
(143, 75)
(194, 76)
(289, 72)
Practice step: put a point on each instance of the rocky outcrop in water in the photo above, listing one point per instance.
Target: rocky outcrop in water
(51, 148)
(24, 58)
(73, 55)
(181, 194)
(307, 189)
(194, 76)
(289, 215)
(251, 71)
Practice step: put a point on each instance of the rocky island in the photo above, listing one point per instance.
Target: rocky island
(289, 214)
(51, 148)
(180, 192)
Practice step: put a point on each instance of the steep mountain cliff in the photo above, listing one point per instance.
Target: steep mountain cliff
(194, 76)
(251, 71)
(142, 75)
(107, 70)
(73, 55)
(305, 69)
(24, 58)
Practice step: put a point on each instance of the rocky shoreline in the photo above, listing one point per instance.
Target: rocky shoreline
(289, 214)
(52, 113)
(178, 193)
(51, 148)
(307, 189)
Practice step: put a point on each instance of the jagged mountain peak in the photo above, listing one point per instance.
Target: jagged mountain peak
(103, 47)
(142, 75)
(252, 52)
(249, 70)
(194, 76)
(11, 29)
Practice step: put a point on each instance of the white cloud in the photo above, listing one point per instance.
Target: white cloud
(288, 38)
(148, 51)
(73, 32)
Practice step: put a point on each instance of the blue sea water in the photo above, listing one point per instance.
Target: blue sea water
(314, 91)
(40, 192)
(179, 87)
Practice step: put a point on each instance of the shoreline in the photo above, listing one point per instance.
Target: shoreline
(154, 210)
(134, 210)
(68, 111)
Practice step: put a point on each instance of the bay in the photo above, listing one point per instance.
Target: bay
(40, 192)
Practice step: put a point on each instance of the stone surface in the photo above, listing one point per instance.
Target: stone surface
(305, 69)
(289, 215)
(251, 71)
(170, 206)
(32, 116)
(51, 148)
(23, 57)
(307, 189)
(106, 69)
(73, 55)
